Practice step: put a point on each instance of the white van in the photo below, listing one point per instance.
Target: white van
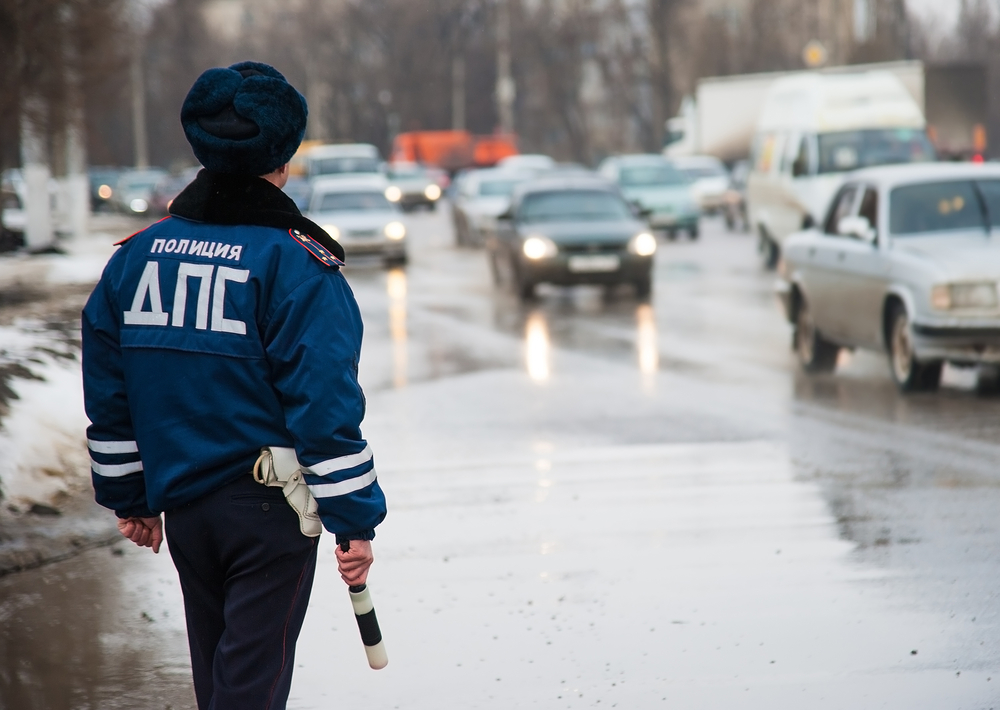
(813, 129)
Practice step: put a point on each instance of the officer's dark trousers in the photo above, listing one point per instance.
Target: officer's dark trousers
(246, 572)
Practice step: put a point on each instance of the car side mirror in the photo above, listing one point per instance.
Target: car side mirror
(808, 222)
(506, 216)
(857, 227)
(639, 211)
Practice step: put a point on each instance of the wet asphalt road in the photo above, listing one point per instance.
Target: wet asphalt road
(596, 501)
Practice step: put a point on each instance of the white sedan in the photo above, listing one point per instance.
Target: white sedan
(906, 262)
(356, 212)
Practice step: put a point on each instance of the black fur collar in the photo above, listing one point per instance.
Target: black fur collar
(216, 198)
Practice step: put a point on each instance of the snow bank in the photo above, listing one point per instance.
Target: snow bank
(43, 436)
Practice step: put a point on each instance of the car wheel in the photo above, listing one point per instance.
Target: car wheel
(910, 374)
(495, 268)
(460, 229)
(524, 285)
(815, 353)
(693, 232)
(988, 380)
(643, 287)
(769, 251)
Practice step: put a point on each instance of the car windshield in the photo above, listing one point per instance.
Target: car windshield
(650, 175)
(944, 206)
(410, 171)
(850, 150)
(353, 202)
(574, 206)
(335, 166)
(147, 184)
(497, 188)
(697, 172)
(299, 191)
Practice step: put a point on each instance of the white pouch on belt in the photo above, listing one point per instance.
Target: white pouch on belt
(277, 467)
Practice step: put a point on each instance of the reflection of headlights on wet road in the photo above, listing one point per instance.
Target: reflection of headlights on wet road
(972, 295)
(537, 347)
(643, 244)
(138, 205)
(332, 230)
(432, 192)
(393, 193)
(646, 342)
(105, 192)
(396, 289)
(539, 247)
(395, 231)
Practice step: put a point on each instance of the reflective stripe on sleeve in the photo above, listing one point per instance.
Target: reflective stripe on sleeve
(112, 447)
(115, 470)
(341, 463)
(331, 490)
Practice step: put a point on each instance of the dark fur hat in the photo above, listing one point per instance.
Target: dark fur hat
(244, 120)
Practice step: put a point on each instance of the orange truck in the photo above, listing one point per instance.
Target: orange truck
(452, 150)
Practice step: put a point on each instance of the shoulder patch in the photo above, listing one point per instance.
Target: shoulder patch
(119, 243)
(315, 248)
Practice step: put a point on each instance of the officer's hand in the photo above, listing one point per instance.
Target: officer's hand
(144, 532)
(354, 563)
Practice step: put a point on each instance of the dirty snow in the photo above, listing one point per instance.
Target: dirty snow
(42, 431)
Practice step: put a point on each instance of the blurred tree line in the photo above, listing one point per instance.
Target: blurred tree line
(56, 57)
(592, 76)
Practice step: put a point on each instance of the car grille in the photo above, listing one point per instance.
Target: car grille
(362, 233)
(593, 248)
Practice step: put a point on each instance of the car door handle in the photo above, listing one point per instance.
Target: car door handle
(840, 256)
(812, 251)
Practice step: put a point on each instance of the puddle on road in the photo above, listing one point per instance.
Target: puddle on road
(91, 632)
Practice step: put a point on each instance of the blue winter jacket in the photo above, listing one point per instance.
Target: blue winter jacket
(204, 342)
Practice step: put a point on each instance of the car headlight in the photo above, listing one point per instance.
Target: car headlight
(105, 192)
(138, 205)
(393, 193)
(432, 192)
(332, 230)
(643, 244)
(395, 230)
(971, 295)
(539, 247)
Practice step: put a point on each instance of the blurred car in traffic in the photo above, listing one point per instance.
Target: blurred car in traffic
(571, 231)
(527, 161)
(346, 160)
(906, 262)
(411, 185)
(663, 193)
(709, 180)
(134, 189)
(169, 187)
(102, 181)
(357, 214)
(300, 191)
(479, 197)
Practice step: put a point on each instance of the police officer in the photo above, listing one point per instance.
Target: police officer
(222, 329)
